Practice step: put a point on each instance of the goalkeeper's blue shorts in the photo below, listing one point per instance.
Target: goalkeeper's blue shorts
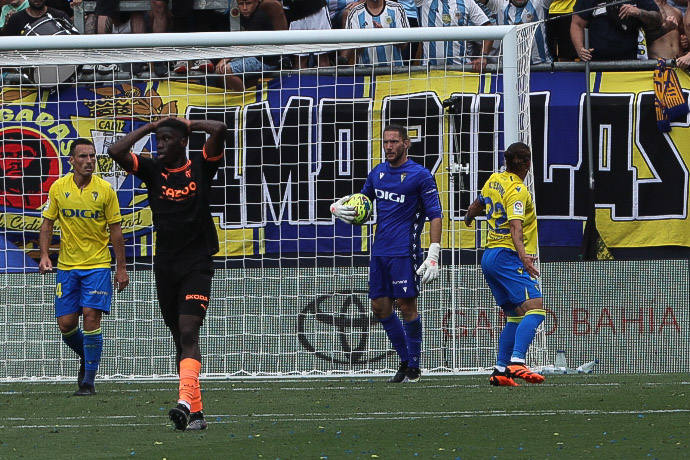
(510, 284)
(392, 277)
(82, 288)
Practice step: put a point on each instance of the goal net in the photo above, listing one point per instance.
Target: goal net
(289, 294)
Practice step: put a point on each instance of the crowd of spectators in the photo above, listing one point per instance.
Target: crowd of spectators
(636, 29)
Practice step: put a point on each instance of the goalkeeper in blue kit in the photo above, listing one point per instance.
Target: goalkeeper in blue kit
(508, 263)
(406, 195)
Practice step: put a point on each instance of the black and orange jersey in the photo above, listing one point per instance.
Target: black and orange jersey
(179, 200)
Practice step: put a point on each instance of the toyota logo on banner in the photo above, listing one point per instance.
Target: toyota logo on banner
(347, 313)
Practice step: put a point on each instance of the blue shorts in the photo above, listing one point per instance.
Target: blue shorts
(392, 277)
(510, 284)
(77, 289)
(249, 65)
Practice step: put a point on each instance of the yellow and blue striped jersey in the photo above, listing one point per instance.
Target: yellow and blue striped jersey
(83, 216)
(506, 198)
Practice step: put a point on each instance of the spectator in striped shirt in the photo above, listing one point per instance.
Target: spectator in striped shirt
(511, 12)
(372, 14)
(447, 13)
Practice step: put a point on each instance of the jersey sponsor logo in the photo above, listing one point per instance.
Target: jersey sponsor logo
(518, 208)
(399, 282)
(389, 196)
(95, 292)
(381, 175)
(203, 298)
(83, 213)
(94, 195)
(178, 193)
(402, 177)
(66, 194)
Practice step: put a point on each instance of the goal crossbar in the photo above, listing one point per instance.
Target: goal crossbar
(221, 39)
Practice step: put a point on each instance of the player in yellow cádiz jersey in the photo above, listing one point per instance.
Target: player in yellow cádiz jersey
(508, 263)
(86, 207)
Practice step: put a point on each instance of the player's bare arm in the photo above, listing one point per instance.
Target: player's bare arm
(120, 150)
(215, 143)
(518, 240)
(475, 209)
(44, 238)
(118, 242)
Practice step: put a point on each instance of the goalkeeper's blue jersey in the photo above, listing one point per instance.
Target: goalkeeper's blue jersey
(404, 196)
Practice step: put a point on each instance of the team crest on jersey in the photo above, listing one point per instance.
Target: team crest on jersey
(446, 18)
(402, 177)
(389, 20)
(381, 175)
(94, 195)
(529, 17)
(66, 194)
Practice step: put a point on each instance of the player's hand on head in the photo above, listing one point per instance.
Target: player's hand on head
(343, 212)
(430, 269)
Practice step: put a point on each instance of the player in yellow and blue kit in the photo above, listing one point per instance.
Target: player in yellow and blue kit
(406, 195)
(509, 260)
(86, 208)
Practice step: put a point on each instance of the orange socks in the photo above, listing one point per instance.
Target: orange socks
(190, 390)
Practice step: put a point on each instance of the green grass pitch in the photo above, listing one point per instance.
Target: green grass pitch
(597, 416)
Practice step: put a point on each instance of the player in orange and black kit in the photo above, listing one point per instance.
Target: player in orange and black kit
(186, 239)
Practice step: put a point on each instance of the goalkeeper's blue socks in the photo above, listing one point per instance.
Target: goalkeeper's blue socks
(525, 334)
(506, 342)
(396, 334)
(413, 331)
(75, 340)
(93, 347)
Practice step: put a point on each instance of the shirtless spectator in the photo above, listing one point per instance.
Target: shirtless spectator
(664, 42)
(254, 15)
(684, 61)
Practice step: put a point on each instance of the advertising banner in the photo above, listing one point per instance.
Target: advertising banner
(299, 142)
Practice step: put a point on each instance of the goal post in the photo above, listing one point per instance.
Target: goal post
(289, 294)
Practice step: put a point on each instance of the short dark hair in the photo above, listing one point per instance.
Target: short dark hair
(78, 142)
(174, 124)
(518, 156)
(399, 128)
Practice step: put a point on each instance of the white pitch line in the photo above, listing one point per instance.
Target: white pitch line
(359, 416)
(323, 388)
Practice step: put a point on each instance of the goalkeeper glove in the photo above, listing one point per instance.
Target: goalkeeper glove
(429, 269)
(342, 212)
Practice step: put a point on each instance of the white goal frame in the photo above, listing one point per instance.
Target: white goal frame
(28, 51)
